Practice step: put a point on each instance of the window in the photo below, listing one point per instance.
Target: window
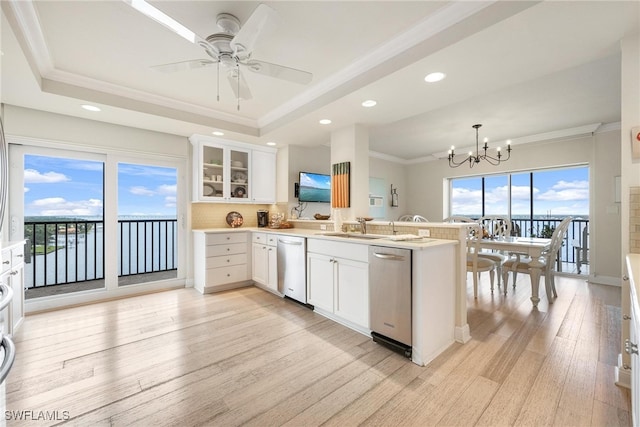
(528, 195)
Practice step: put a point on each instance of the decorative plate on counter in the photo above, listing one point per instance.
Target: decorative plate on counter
(234, 219)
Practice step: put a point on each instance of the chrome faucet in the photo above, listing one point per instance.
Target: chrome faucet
(363, 225)
(393, 227)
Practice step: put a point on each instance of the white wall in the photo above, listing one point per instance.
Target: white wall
(392, 173)
(426, 184)
(306, 159)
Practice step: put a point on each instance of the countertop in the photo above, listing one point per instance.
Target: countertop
(384, 240)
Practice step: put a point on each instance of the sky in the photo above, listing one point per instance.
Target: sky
(56, 186)
(557, 192)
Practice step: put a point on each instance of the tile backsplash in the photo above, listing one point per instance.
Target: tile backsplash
(214, 215)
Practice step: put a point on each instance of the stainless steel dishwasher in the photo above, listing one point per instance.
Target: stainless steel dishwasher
(390, 297)
(292, 271)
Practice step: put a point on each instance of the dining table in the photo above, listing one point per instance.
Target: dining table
(530, 246)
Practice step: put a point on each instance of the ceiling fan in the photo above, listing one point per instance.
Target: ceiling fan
(231, 48)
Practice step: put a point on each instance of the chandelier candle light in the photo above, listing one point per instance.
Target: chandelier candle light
(472, 160)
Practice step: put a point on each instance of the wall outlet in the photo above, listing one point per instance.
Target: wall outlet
(424, 233)
(323, 226)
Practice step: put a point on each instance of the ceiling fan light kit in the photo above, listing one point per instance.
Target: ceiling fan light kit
(231, 48)
(475, 159)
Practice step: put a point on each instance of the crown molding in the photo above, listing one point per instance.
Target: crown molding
(444, 18)
(137, 95)
(609, 127)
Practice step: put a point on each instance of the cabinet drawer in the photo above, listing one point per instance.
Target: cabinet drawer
(6, 260)
(230, 249)
(259, 238)
(225, 261)
(17, 255)
(220, 238)
(272, 239)
(231, 274)
(353, 251)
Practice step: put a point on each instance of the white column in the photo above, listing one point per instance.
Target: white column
(351, 144)
(630, 177)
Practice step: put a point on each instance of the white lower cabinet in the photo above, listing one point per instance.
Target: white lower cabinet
(338, 281)
(12, 276)
(220, 261)
(265, 260)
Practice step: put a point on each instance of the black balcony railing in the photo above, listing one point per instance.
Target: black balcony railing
(66, 252)
(539, 228)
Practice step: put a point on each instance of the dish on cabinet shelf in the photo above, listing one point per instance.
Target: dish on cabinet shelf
(208, 190)
(237, 164)
(240, 192)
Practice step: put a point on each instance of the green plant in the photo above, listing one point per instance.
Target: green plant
(546, 233)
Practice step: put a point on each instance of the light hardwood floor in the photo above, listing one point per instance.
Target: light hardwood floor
(247, 357)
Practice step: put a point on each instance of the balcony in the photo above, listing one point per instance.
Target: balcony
(68, 256)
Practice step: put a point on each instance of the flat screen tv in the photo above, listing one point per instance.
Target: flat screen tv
(314, 187)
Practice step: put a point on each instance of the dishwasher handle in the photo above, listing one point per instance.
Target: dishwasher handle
(290, 242)
(391, 257)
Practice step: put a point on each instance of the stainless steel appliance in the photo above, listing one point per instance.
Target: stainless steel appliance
(292, 271)
(263, 218)
(390, 297)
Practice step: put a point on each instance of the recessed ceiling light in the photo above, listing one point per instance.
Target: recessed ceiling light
(434, 77)
(218, 133)
(325, 122)
(90, 107)
(369, 103)
(271, 143)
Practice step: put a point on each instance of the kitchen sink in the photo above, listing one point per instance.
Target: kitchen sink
(353, 236)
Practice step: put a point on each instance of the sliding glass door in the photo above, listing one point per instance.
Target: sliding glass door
(147, 223)
(96, 222)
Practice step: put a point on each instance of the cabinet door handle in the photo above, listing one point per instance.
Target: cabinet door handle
(228, 275)
(228, 260)
(228, 238)
(630, 347)
(6, 262)
(20, 255)
(228, 249)
(14, 272)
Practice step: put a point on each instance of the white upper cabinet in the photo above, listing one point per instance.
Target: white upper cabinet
(232, 172)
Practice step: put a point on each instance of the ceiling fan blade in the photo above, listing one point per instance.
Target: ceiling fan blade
(162, 18)
(278, 71)
(245, 93)
(183, 65)
(262, 21)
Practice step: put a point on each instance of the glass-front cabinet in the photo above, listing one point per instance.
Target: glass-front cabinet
(224, 172)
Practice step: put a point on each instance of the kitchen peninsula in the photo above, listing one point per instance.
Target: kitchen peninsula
(224, 260)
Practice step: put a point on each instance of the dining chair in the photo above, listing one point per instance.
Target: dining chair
(475, 263)
(581, 248)
(495, 227)
(521, 265)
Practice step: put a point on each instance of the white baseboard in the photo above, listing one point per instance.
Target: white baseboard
(622, 374)
(462, 334)
(605, 280)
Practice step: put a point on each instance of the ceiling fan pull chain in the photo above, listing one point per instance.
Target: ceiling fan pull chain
(238, 77)
(218, 83)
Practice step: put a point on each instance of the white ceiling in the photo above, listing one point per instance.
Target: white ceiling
(519, 68)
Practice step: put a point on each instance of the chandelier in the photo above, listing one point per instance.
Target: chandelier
(472, 160)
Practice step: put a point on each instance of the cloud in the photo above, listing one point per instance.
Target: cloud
(167, 189)
(26, 189)
(32, 176)
(141, 191)
(55, 206)
(164, 189)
